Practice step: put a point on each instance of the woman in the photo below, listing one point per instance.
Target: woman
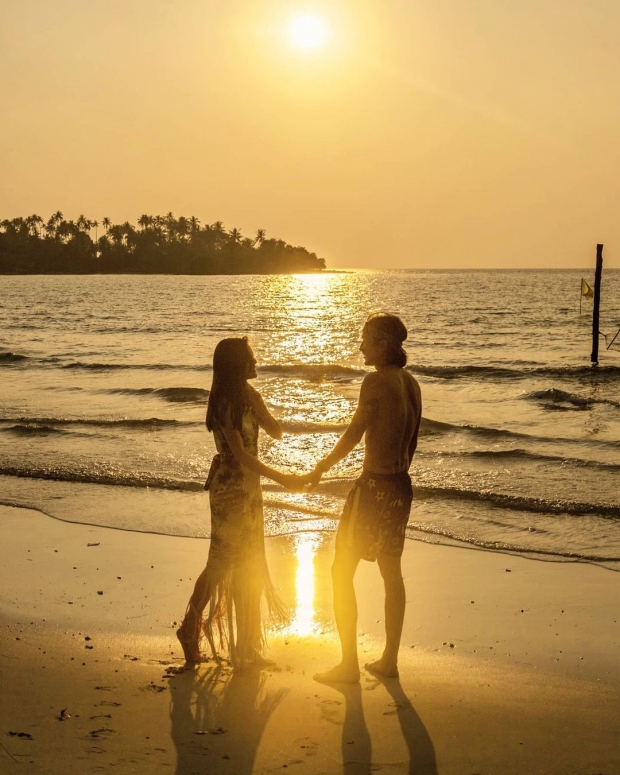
(236, 576)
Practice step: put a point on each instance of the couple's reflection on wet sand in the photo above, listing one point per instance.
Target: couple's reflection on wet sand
(218, 719)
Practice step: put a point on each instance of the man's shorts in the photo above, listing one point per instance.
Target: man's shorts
(375, 516)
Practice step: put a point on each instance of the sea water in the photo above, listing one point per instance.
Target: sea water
(104, 382)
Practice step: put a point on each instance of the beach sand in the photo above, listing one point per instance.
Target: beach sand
(508, 665)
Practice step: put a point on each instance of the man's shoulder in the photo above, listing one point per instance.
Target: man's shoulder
(387, 377)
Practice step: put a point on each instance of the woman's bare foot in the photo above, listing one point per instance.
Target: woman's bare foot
(383, 667)
(341, 674)
(191, 652)
(260, 661)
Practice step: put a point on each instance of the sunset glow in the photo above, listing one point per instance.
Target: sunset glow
(307, 32)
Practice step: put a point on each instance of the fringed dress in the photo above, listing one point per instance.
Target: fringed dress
(237, 575)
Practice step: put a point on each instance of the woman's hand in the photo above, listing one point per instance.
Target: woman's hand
(299, 482)
(312, 479)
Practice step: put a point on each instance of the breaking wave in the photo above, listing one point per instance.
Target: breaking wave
(148, 423)
(171, 394)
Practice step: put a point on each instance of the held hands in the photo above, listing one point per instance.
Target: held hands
(301, 482)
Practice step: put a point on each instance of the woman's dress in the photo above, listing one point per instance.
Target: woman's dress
(237, 574)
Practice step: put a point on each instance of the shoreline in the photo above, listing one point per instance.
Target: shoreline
(536, 555)
(507, 665)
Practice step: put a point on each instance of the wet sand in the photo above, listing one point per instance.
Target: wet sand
(508, 665)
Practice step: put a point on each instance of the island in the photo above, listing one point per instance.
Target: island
(157, 245)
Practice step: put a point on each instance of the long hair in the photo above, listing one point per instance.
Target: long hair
(230, 363)
(391, 329)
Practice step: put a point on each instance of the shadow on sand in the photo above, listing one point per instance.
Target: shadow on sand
(356, 742)
(218, 719)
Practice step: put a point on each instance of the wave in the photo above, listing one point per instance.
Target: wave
(455, 372)
(172, 394)
(148, 423)
(335, 486)
(125, 366)
(521, 503)
(310, 371)
(314, 371)
(33, 429)
(525, 455)
(504, 547)
(116, 478)
(9, 358)
(508, 373)
(559, 399)
(435, 427)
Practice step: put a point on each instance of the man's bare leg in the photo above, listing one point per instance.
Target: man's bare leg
(345, 613)
(394, 616)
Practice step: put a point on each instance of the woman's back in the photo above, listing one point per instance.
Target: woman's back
(249, 436)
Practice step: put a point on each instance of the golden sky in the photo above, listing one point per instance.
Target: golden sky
(420, 133)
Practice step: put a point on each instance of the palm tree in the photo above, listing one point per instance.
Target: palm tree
(260, 236)
(235, 235)
(116, 233)
(34, 222)
(144, 221)
(106, 223)
(55, 221)
(182, 227)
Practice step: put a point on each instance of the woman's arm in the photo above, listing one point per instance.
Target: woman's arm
(245, 459)
(265, 419)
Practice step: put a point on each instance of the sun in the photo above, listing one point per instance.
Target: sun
(307, 32)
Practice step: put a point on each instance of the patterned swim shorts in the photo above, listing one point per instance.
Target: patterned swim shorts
(375, 515)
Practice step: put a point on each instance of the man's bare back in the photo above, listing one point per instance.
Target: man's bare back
(393, 412)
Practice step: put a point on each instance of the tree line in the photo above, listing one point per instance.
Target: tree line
(157, 245)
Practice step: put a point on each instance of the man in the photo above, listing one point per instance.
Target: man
(375, 515)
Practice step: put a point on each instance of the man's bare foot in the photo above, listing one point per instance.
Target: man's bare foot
(341, 674)
(383, 667)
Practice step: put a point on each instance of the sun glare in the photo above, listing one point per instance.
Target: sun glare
(307, 32)
(304, 621)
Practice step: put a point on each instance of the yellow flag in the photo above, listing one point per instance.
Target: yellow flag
(586, 290)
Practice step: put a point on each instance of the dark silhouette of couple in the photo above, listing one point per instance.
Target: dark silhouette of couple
(226, 601)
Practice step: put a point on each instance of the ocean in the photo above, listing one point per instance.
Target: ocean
(104, 381)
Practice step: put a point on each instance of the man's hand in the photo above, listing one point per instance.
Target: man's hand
(300, 482)
(312, 479)
(294, 482)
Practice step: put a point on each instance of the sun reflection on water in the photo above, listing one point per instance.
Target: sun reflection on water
(304, 619)
(318, 319)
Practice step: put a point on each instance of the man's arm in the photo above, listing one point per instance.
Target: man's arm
(366, 408)
(414, 439)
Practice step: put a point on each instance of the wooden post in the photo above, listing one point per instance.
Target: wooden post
(597, 304)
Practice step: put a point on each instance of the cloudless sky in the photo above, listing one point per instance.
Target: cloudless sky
(423, 133)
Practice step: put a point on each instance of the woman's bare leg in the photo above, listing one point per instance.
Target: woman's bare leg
(189, 631)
